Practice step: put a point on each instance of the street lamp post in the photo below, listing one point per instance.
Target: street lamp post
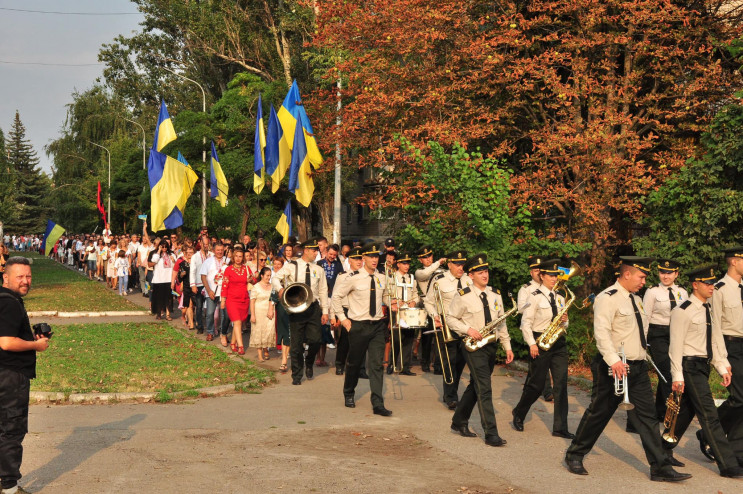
(203, 152)
(144, 161)
(109, 181)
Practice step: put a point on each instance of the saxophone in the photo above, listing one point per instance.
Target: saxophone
(488, 331)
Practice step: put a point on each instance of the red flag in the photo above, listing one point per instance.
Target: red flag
(99, 205)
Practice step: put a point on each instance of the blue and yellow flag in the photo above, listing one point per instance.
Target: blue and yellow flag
(164, 132)
(284, 226)
(218, 185)
(278, 156)
(290, 115)
(54, 231)
(259, 161)
(186, 178)
(300, 171)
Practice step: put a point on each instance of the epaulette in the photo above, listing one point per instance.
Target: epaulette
(353, 273)
(464, 291)
(497, 291)
(525, 285)
(437, 277)
(611, 292)
(685, 304)
(719, 285)
(535, 292)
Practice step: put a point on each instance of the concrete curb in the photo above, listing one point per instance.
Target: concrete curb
(54, 313)
(55, 397)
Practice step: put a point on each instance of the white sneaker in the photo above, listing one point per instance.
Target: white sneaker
(331, 345)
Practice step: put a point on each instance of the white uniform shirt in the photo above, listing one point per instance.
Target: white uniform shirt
(448, 285)
(657, 302)
(356, 289)
(727, 308)
(538, 315)
(295, 272)
(615, 324)
(466, 311)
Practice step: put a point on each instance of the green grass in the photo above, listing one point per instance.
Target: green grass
(54, 287)
(106, 358)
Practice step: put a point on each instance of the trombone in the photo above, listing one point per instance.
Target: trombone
(446, 336)
(391, 287)
(621, 387)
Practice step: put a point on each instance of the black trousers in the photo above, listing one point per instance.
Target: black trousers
(479, 391)
(14, 389)
(555, 360)
(403, 354)
(603, 404)
(697, 401)
(659, 339)
(304, 327)
(456, 357)
(366, 336)
(731, 411)
(426, 345)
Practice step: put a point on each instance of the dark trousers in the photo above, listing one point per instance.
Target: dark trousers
(304, 327)
(479, 391)
(425, 346)
(731, 411)
(198, 307)
(456, 357)
(697, 400)
(14, 389)
(403, 351)
(603, 404)
(555, 360)
(659, 340)
(341, 351)
(366, 336)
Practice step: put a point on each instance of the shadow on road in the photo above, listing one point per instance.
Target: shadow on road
(83, 443)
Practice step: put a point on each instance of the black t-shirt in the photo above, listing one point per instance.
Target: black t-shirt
(14, 322)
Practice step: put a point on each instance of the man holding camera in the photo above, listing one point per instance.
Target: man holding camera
(18, 347)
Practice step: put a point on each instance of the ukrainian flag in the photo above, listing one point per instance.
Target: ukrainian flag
(284, 226)
(54, 231)
(259, 168)
(278, 156)
(165, 132)
(300, 172)
(218, 184)
(290, 114)
(186, 179)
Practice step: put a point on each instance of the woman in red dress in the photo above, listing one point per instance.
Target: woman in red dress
(235, 297)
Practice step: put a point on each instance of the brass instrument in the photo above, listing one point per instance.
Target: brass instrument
(621, 387)
(391, 288)
(556, 327)
(488, 331)
(297, 298)
(673, 405)
(446, 335)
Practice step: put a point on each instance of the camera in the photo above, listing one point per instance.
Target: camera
(43, 329)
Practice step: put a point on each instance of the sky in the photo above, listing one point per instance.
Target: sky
(40, 92)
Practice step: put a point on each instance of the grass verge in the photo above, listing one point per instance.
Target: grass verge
(55, 287)
(108, 358)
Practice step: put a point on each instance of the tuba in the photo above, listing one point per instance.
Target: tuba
(556, 328)
(297, 298)
(673, 405)
(488, 331)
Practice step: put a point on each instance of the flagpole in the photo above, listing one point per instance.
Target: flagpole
(109, 180)
(337, 185)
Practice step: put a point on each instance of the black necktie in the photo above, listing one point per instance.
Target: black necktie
(372, 298)
(553, 305)
(643, 342)
(709, 331)
(671, 297)
(484, 298)
(459, 284)
(741, 293)
(307, 276)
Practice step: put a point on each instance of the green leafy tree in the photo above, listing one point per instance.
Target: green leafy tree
(30, 187)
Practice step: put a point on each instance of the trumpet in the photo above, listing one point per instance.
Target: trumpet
(673, 405)
(621, 387)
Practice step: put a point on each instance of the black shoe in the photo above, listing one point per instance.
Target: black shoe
(463, 430)
(452, 405)
(576, 467)
(363, 375)
(425, 368)
(564, 434)
(704, 447)
(389, 370)
(408, 373)
(732, 472)
(350, 403)
(308, 371)
(495, 441)
(674, 462)
(518, 422)
(549, 397)
(382, 411)
(296, 382)
(668, 474)
(339, 371)
(630, 428)
(200, 331)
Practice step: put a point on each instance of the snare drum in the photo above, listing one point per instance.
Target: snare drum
(413, 318)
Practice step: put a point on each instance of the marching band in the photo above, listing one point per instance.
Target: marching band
(456, 318)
